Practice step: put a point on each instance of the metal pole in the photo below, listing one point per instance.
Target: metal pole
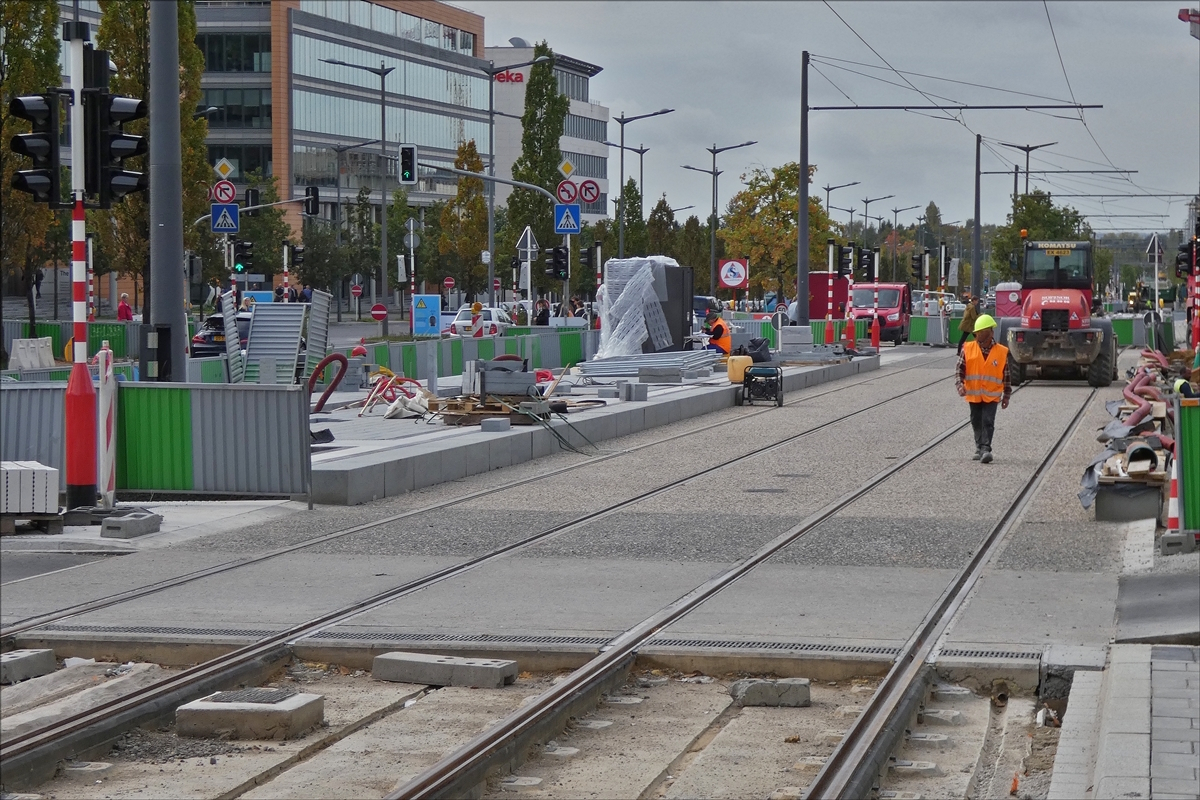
(1026, 167)
(337, 218)
(976, 267)
(491, 185)
(621, 194)
(166, 184)
(712, 230)
(802, 222)
(383, 254)
(285, 271)
(642, 176)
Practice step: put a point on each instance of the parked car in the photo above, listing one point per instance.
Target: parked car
(209, 341)
(492, 322)
(895, 308)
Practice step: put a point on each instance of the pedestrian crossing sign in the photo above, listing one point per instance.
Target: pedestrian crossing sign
(224, 217)
(566, 218)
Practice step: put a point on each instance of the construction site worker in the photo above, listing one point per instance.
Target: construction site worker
(1183, 388)
(982, 378)
(967, 326)
(718, 332)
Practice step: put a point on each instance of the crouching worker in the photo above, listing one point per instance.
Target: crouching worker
(718, 332)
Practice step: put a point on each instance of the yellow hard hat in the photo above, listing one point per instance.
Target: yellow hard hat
(984, 321)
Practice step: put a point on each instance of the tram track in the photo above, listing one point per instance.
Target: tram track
(13, 629)
(853, 769)
(88, 729)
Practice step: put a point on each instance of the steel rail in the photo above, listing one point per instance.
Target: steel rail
(852, 768)
(467, 766)
(23, 746)
(31, 623)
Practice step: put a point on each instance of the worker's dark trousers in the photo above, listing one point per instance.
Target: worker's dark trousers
(983, 421)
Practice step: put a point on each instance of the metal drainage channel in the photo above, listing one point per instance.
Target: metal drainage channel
(458, 773)
(30, 623)
(43, 747)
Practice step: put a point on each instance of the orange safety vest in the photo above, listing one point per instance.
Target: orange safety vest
(985, 377)
(722, 339)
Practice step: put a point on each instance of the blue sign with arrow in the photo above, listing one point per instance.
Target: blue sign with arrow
(224, 218)
(566, 217)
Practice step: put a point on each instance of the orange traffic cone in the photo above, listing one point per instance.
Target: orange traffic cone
(829, 330)
(875, 332)
(849, 328)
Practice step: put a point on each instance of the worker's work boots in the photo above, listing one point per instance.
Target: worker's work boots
(978, 453)
(986, 457)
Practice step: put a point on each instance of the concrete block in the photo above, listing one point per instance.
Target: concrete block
(397, 477)
(608, 393)
(495, 424)
(223, 715)
(454, 463)
(21, 665)
(1127, 505)
(903, 767)
(500, 452)
(791, 692)
(86, 771)
(639, 392)
(1177, 542)
(1121, 787)
(131, 525)
(401, 667)
(941, 716)
(691, 374)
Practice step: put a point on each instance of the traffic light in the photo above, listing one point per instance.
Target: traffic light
(296, 257)
(107, 146)
(866, 260)
(1186, 259)
(559, 268)
(845, 261)
(312, 200)
(408, 165)
(243, 255)
(41, 145)
(916, 268)
(587, 257)
(252, 199)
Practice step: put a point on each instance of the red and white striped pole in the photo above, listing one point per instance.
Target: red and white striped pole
(832, 256)
(286, 253)
(91, 279)
(80, 404)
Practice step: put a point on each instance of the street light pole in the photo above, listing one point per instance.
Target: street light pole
(623, 121)
(849, 230)
(829, 189)
(896, 235)
(867, 213)
(712, 227)
(1028, 148)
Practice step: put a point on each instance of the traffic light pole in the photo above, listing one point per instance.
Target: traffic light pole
(80, 402)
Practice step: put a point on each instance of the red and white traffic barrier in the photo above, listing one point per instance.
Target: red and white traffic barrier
(1173, 501)
(80, 405)
(108, 427)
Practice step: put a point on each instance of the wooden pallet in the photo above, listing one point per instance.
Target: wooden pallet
(472, 410)
(46, 523)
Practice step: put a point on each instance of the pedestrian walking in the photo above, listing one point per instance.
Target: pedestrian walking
(967, 326)
(38, 277)
(124, 310)
(982, 378)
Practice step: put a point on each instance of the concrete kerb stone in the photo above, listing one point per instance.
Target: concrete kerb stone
(288, 718)
(790, 692)
(131, 525)
(436, 670)
(21, 665)
(363, 478)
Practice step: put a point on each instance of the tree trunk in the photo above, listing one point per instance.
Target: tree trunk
(28, 275)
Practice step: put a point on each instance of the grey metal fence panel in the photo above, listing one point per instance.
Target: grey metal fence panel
(591, 343)
(423, 351)
(470, 350)
(133, 344)
(318, 330)
(551, 352)
(31, 424)
(275, 330)
(233, 340)
(13, 329)
(250, 439)
(445, 358)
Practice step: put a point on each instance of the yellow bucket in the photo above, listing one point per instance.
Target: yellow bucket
(737, 368)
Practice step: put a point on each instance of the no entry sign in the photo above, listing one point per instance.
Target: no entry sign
(356, 290)
(379, 312)
(448, 282)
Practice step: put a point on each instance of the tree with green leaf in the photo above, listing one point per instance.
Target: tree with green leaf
(464, 223)
(636, 238)
(28, 65)
(541, 129)
(266, 227)
(661, 229)
(124, 231)
(760, 224)
(363, 236)
(1037, 214)
(692, 250)
(324, 261)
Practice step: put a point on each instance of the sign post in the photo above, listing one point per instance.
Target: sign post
(356, 290)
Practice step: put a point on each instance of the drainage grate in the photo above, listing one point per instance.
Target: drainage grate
(805, 647)
(257, 634)
(1016, 654)
(263, 696)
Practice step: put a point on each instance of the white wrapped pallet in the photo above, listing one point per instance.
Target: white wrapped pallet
(27, 487)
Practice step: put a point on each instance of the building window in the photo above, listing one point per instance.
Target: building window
(599, 207)
(238, 108)
(577, 127)
(245, 158)
(572, 85)
(588, 166)
(466, 42)
(410, 27)
(235, 52)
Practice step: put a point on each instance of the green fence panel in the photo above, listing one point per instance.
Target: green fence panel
(1189, 449)
(512, 347)
(570, 348)
(535, 352)
(408, 360)
(379, 354)
(516, 330)
(918, 329)
(487, 349)
(112, 332)
(154, 438)
(953, 334)
(1123, 328)
(54, 331)
(456, 357)
(212, 372)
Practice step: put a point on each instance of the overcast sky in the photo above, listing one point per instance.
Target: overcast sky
(732, 72)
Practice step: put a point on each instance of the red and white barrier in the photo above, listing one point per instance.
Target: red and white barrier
(1173, 500)
(108, 427)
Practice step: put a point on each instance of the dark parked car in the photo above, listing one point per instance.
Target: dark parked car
(209, 341)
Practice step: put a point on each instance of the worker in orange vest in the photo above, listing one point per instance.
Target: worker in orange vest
(982, 378)
(718, 333)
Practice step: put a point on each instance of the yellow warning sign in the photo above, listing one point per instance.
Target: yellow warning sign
(421, 303)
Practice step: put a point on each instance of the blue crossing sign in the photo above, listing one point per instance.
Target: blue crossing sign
(224, 218)
(566, 217)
